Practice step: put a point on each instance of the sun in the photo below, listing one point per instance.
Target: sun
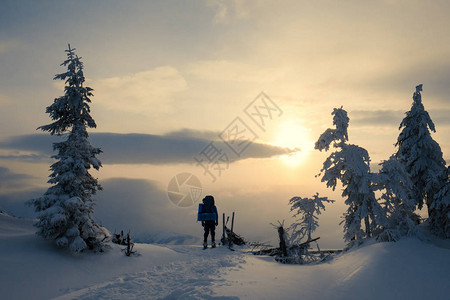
(292, 135)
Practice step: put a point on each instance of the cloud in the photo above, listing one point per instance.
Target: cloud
(376, 118)
(40, 144)
(10, 180)
(198, 134)
(33, 158)
(393, 117)
(440, 117)
(228, 9)
(145, 91)
(175, 147)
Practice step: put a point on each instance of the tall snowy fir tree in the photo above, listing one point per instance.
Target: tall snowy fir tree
(350, 164)
(421, 155)
(65, 210)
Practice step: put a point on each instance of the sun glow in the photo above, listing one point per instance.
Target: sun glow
(292, 135)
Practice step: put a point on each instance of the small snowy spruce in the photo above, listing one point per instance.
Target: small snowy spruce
(306, 211)
(65, 210)
(421, 155)
(396, 187)
(350, 164)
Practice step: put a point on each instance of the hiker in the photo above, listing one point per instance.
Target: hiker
(207, 214)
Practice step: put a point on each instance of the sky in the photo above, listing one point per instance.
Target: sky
(170, 77)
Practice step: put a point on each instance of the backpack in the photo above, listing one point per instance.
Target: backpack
(208, 204)
(207, 211)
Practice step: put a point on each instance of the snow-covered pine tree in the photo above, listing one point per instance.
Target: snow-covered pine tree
(397, 201)
(420, 154)
(306, 210)
(440, 223)
(351, 165)
(65, 210)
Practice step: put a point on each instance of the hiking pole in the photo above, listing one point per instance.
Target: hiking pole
(230, 236)
(223, 228)
(232, 223)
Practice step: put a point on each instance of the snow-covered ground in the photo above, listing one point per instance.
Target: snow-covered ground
(31, 268)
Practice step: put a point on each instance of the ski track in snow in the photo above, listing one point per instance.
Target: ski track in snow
(192, 278)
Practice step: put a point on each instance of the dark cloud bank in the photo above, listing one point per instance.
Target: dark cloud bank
(171, 148)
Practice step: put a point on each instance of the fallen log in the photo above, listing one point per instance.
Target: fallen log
(279, 251)
(303, 245)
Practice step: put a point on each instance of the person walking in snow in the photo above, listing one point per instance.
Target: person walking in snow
(207, 214)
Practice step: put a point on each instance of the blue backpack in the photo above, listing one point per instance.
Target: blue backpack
(207, 211)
